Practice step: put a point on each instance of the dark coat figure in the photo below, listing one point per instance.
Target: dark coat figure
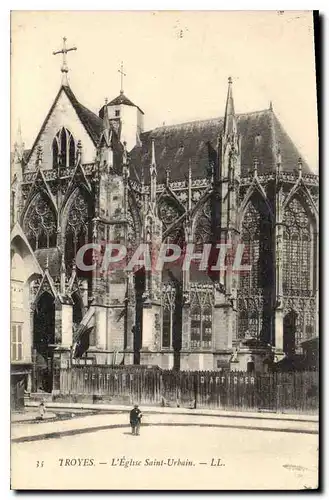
(135, 420)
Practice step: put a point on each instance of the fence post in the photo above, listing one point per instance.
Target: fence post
(195, 383)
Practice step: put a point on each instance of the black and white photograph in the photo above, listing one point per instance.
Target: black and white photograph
(164, 246)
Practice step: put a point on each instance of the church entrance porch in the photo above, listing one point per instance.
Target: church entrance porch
(43, 343)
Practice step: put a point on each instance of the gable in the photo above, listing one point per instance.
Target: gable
(69, 113)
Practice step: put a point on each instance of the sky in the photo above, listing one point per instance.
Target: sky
(177, 65)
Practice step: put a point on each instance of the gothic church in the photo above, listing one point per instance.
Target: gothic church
(92, 177)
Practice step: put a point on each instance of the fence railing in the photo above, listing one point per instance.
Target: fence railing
(295, 391)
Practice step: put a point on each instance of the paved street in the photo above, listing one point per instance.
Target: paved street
(242, 457)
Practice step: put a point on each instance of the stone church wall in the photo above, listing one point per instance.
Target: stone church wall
(63, 115)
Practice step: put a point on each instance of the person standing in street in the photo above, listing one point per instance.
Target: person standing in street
(135, 420)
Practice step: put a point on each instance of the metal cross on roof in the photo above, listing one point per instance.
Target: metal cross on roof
(64, 51)
(122, 75)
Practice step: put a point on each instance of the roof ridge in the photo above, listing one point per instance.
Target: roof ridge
(205, 120)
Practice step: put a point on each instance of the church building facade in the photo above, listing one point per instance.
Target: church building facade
(93, 178)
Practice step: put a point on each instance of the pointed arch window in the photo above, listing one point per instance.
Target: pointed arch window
(203, 229)
(63, 149)
(201, 319)
(40, 223)
(257, 237)
(77, 227)
(195, 319)
(168, 310)
(169, 211)
(249, 323)
(297, 249)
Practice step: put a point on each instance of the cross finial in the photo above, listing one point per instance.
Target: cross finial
(64, 68)
(122, 75)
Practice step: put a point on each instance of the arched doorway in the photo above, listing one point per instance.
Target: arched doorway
(43, 340)
(289, 333)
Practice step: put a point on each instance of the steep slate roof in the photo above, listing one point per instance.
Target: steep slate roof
(92, 123)
(120, 99)
(175, 145)
(90, 120)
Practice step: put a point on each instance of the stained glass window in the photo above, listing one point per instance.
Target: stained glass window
(256, 285)
(77, 229)
(40, 223)
(248, 319)
(195, 318)
(257, 238)
(201, 319)
(203, 230)
(297, 249)
(242, 322)
(168, 309)
(169, 211)
(63, 149)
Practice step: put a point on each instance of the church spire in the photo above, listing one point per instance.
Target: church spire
(19, 144)
(106, 121)
(153, 174)
(153, 162)
(106, 125)
(230, 127)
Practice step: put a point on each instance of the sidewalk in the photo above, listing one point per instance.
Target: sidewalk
(180, 411)
(114, 417)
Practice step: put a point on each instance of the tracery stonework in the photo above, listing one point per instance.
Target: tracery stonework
(40, 224)
(297, 250)
(77, 226)
(181, 184)
(256, 292)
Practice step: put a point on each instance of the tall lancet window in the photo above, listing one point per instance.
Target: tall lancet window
(77, 228)
(297, 250)
(40, 223)
(256, 286)
(201, 317)
(63, 149)
(168, 311)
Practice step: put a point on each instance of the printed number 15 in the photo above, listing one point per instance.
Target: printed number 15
(39, 464)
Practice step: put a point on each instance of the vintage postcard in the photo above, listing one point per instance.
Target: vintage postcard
(164, 250)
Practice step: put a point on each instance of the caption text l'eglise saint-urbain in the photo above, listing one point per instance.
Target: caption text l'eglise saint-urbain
(126, 462)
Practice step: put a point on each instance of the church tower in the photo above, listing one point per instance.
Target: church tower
(126, 117)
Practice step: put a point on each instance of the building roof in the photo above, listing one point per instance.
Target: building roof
(120, 99)
(92, 123)
(176, 145)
